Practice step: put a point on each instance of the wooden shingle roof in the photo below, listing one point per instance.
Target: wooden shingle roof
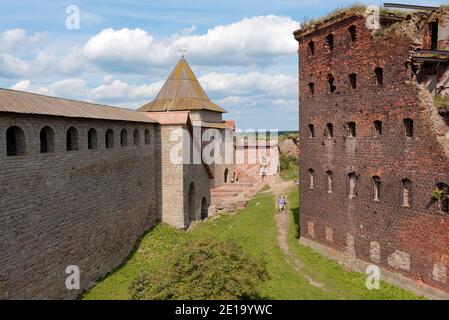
(31, 103)
(181, 92)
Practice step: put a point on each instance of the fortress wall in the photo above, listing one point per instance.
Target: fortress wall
(196, 174)
(407, 240)
(219, 169)
(172, 175)
(85, 208)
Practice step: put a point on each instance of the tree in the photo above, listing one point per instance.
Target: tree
(205, 270)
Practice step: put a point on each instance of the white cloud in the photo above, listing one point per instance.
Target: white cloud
(14, 67)
(17, 40)
(227, 89)
(249, 41)
(21, 57)
(68, 88)
(125, 49)
(245, 42)
(279, 85)
(145, 91)
(73, 63)
(21, 85)
(110, 91)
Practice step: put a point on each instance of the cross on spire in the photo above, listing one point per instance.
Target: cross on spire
(183, 51)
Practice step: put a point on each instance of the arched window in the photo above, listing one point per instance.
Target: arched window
(408, 126)
(312, 88)
(311, 131)
(72, 139)
(15, 141)
(330, 41)
(406, 193)
(330, 83)
(92, 139)
(124, 138)
(329, 183)
(47, 138)
(377, 128)
(376, 188)
(379, 72)
(329, 133)
(109, 139)
(433, 32)
(192, 202)
(147, 136)
(352, 133)
(136, 136)
(311, 48)
(311, 179)
(352, 185)
(204, 209)
(352, 30)
(226, 176)
(353, 80)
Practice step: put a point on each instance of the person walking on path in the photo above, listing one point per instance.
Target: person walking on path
(281, 204)
(284, 202)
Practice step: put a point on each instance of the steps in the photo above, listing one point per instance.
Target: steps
(233, 196)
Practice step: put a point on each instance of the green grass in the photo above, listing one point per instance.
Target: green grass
(254, 228)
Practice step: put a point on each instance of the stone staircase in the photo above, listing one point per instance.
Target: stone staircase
(248, 173)
(232, 196)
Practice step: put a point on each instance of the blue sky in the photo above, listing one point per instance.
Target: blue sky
(243, 52)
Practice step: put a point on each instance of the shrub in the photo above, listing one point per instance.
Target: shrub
(441, 102)
(437, 194)
(205, 270)
(288, 161)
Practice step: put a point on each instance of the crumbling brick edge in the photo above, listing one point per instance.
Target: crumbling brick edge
(356, 264)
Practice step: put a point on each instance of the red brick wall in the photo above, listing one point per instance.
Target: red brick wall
(419, 231)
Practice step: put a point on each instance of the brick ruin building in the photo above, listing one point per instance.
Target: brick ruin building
(374, 140)
(81, 182)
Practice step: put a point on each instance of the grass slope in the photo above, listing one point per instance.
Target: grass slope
(254, 228)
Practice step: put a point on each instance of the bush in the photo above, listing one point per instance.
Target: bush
(205, 270)
(288, 161)
(441, 102)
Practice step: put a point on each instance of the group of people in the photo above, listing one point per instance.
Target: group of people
(282, 204)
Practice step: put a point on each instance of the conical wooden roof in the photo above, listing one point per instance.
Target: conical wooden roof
(181, 92)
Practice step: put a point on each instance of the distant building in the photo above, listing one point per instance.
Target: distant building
(374, 141)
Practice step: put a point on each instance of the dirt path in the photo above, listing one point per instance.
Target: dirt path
(283, 225)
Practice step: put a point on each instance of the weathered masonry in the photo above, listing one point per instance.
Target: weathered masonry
(73, 190)
(81, 182)
(374, 141)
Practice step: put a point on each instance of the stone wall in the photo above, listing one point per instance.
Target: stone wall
(410, 240)
(172, 175)
(85, 208)
(177, 207)
(221, 162)
(196, 175)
